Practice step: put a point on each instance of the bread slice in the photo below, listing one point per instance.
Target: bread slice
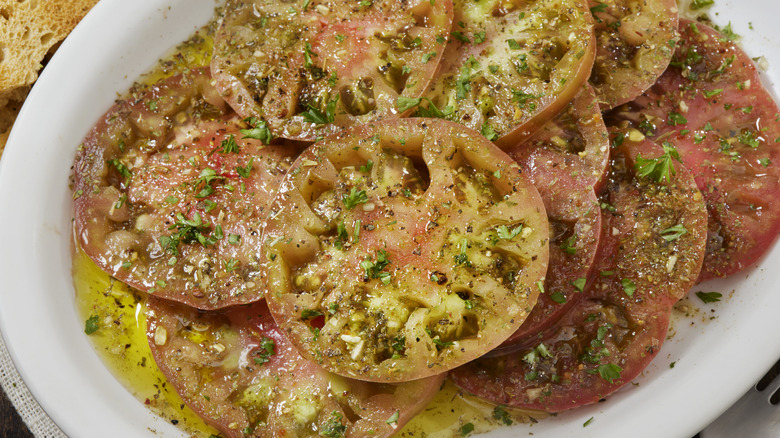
(29, 29)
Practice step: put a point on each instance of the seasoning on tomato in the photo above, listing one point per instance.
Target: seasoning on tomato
(510, 66)
(237, 370)
(610, 335)
(170, 194)
(567, 162)
(635, 43)
(402, 249)
(710, 103)
(311, 67)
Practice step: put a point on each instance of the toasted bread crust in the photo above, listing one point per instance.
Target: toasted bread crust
(29, 29)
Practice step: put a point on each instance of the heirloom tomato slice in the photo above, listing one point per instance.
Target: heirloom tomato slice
(170, 196)
(635, 43)
(402, 249)
(711, 105)
(567, 162)
(238, 371)
(510, 66)
(650, 254)
(313, 67)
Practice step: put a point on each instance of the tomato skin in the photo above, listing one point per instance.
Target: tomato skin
(710, 104)
(619, 324)
(239, 373)
(509, 67)
(413, 279)
(314, 68)
(635, 43)
(153, 183)
(567, 161)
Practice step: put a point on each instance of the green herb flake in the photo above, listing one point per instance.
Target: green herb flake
(307, 314)
(406, 103)
(661, 168)
(316, 116)
(673, 233)
(579, 283)
(354, 198)
(466, 429)
(609, 372)
(587, 423)
(709, 297)
(628, 287)
(558, 297)
(488, 132)
(712, 93)
(393, 420)
(245, 171)
(503, 232)
(676, 119)
(229, 145)
(500, 414)
(266, 350)
(260, 130)
(699, 4)
(568, 245)
(91, 325)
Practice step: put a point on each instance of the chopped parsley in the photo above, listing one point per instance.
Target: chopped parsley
(673, 233)
(316, 116)
(500, 414)
(609, 372)
(628, 286)
(709, 297)
(266, 350)
(661, 168)
(91, 325)
(354, 198)
(260, 130)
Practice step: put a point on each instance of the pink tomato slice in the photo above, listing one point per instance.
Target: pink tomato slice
(567, 162)
(402, 249)
(311, 67)
(635, 43)
(239, 372)
(652, 248)
(711, 106)
(170, 195)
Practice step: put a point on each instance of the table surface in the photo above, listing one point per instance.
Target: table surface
(11, 424)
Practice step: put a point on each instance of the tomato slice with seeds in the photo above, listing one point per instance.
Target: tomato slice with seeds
(169, 196)
(635, 43)
(313, 67)
(238, 372)
(402, 249)
(510, 66)
(652, 248)
(710, 104)
(567, 162)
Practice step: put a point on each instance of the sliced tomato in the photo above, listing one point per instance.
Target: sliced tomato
(651, 250)
(710, 104)
(402, 249)
(635, 43)
(313, 67)
(239, 373)
(566, 160)
(510, 66)
(170, 198)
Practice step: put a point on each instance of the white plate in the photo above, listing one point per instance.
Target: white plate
(715, 361)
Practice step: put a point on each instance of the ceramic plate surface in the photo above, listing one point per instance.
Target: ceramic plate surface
(716, 360)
